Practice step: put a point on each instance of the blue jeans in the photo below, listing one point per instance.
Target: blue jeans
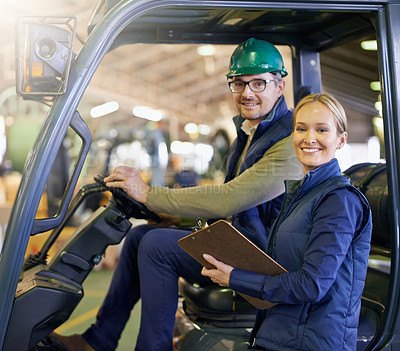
(149, 267)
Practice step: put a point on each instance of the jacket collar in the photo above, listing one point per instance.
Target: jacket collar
(315, 177)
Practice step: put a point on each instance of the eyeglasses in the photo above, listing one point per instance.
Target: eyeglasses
(256, 85)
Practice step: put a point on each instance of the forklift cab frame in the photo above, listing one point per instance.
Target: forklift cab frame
(114, 23)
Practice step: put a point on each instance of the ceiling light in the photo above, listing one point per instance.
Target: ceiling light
(191, 128)
(376, 85)
(206, 50)
(374, 149)
(233, 21)
(182, 148)
(370, 45)
(204, 129)
(378, 122)
(204, 150)
(378, 107)
(147, 113)
(104, 109)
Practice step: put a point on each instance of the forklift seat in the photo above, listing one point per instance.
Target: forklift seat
(371, 180)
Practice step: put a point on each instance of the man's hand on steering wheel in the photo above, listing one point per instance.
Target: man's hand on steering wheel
(127, 204)
(129, 180)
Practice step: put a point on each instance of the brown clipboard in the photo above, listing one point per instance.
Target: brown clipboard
(224, 242)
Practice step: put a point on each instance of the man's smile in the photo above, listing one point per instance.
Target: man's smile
(249, 103)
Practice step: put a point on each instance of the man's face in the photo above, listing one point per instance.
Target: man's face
(255, 106)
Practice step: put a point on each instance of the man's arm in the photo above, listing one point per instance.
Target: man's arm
(258, 184)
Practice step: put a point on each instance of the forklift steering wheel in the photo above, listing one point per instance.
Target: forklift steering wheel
(129, 206)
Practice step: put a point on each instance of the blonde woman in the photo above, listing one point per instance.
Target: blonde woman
(322, 237)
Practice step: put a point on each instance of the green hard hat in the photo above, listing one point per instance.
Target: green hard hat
(256, 56)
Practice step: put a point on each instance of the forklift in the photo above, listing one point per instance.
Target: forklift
(49, 70)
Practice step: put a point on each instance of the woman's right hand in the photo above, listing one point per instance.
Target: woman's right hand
(221, 274)
(129, 180)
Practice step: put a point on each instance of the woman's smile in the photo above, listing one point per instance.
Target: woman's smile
(310, 150)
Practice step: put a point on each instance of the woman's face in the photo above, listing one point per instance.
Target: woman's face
(315, 135)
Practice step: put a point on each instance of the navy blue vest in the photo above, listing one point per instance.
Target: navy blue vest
(255, 223)
(332, 323)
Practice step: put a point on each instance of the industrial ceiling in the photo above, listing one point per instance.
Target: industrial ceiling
(187, 87)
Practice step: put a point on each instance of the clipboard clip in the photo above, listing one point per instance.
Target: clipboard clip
(200, 223)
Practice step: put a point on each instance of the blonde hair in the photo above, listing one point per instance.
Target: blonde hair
(331, 103)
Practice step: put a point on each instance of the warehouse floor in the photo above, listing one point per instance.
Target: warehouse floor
(95, 288)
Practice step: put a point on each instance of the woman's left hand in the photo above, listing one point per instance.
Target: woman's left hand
(221, 274)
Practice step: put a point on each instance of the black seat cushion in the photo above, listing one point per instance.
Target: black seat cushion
(216, 305)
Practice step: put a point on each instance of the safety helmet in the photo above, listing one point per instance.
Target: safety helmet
(256, 56)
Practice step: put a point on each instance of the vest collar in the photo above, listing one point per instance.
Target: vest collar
(315, 177)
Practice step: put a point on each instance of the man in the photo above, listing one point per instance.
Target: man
(151, 260)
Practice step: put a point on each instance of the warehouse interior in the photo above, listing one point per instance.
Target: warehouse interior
(185, 87)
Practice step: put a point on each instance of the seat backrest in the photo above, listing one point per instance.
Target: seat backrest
(371, 180)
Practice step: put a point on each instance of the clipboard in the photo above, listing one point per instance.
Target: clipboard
(224, 242)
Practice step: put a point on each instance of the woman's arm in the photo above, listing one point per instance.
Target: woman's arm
(330, 239)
